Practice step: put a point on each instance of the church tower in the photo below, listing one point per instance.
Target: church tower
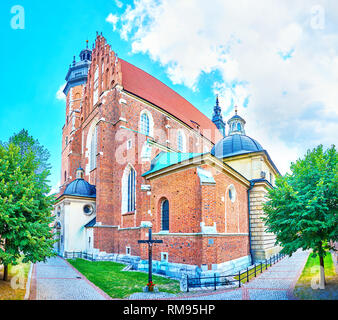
(217, 118)
(76, 80)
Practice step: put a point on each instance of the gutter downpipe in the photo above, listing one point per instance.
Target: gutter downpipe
(249, 211)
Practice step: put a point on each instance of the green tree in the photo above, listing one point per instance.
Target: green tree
(25, 208)
(302, 209)
(27, 144)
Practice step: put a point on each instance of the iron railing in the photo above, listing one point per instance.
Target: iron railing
(80, 255)
(237, 278)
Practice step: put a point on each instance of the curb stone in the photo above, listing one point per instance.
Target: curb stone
(28, 284)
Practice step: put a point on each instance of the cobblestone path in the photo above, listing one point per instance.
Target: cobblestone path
(276, 283)
(58, 280)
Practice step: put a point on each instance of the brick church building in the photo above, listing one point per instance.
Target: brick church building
(135, 154)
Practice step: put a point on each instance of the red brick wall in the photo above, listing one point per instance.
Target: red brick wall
(209, 213)
(128, 238)
(71, 152)
(224, 248)
(182, 190)
(218, 207)
(180, 249)
(189, 202)
(196, 250)
(104, 239)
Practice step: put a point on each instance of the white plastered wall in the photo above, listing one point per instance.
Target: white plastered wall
(75, 234)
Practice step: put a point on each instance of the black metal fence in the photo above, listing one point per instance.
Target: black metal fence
(231, 279)
(80, 255)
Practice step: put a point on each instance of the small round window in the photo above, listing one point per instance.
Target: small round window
(88, 209)
(232, 193)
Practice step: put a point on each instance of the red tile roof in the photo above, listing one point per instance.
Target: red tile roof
(145, 86)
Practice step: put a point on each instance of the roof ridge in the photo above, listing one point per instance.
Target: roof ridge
(147, 87)
(162, 83)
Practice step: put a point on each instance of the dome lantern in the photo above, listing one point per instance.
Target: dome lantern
(236, 142)
(86, 54)
(236, 124)
(79, 173)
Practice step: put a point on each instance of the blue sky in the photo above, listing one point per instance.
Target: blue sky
(35, 61)
(282, 71)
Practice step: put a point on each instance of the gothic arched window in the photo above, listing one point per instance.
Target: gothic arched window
(165, 215)
(96, 86)
(93, 149)
(232, 193)
(145, 125)
(131, 190)
(181, 141)
(128, 189)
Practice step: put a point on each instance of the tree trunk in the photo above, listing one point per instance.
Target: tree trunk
(322, 273)
(5, 277)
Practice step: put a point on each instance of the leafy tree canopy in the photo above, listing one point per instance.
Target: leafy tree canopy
(302, 209)
(27, 143)
(25, 207)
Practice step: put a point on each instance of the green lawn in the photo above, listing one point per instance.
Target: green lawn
(251, 272)
(109, 277)
(303, 289)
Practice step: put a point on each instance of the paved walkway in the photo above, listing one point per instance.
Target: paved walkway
(276, 283)
(58, 280)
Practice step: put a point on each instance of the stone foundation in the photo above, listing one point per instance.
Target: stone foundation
(260, 255)
(169, 269)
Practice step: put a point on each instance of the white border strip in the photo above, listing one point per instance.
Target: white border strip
(28, 284)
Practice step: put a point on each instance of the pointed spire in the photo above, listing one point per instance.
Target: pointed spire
(80, 76)
(217, 118)
(236, 108)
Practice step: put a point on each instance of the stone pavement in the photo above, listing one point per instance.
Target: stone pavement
(58, 280)
(276, 283)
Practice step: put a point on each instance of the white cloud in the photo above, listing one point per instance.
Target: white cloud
(119, 4)
(55, 189)
(281, 55)
(59, 94)
(113, 19)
